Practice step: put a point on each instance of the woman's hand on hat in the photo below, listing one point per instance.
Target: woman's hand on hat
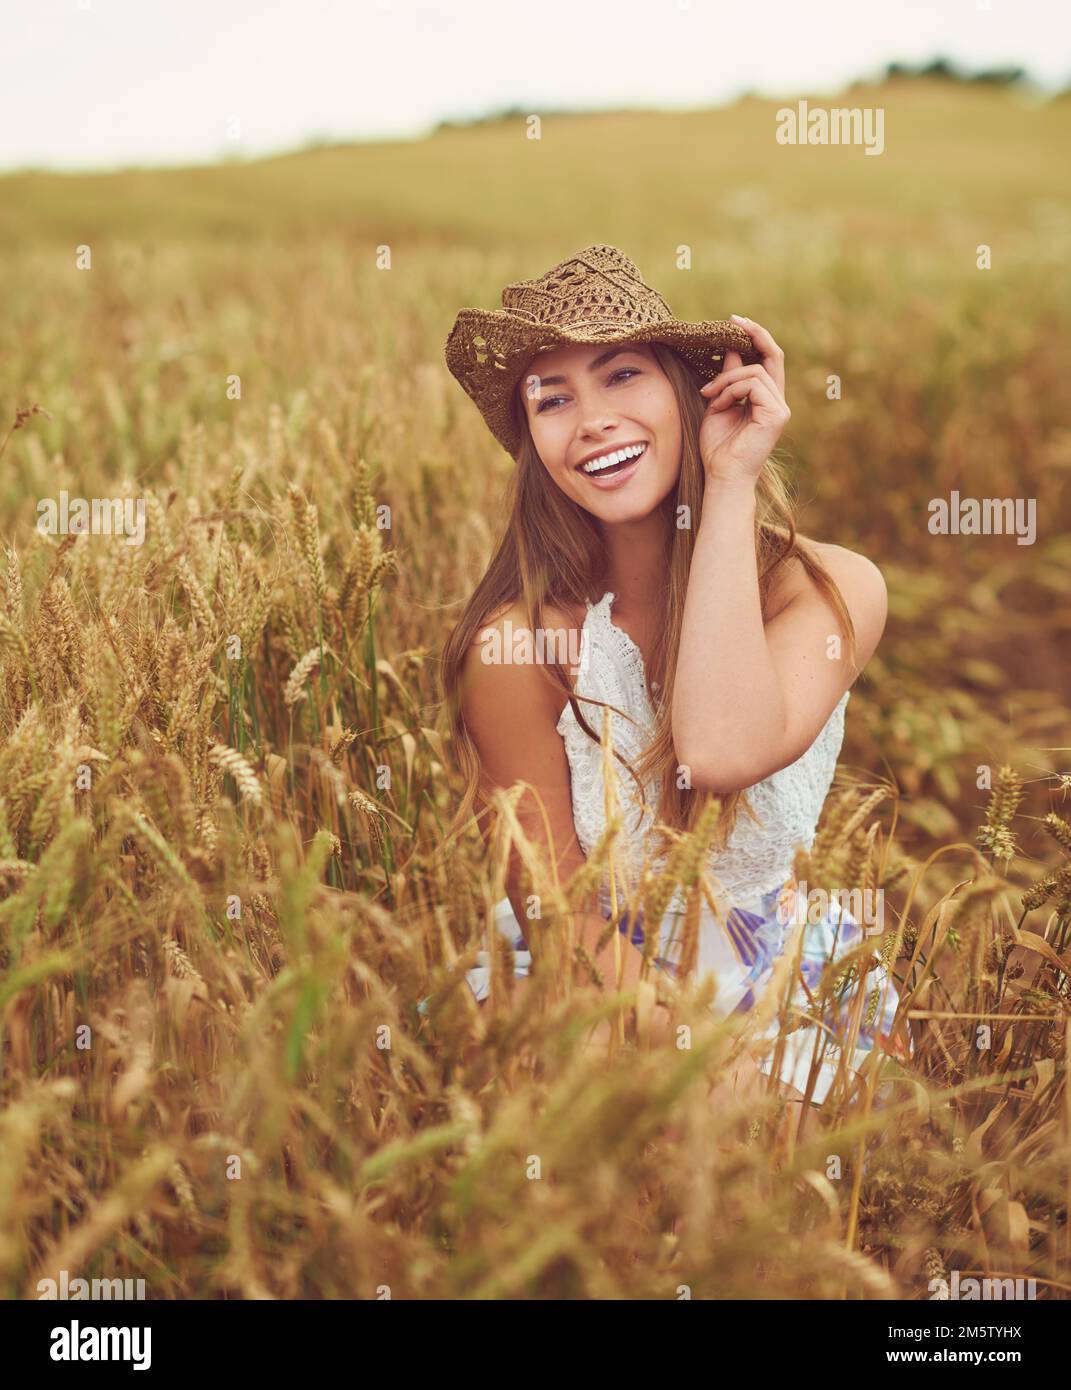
(746, 410)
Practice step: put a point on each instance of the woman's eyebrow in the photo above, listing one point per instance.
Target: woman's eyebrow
(592, 366)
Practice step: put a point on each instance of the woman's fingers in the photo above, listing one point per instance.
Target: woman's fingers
(752, 382)
(773, 358)
(740, 392)
(753, 371)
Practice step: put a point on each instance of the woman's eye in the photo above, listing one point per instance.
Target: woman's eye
(621, 371)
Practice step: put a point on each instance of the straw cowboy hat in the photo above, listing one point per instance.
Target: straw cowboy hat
(596, 296)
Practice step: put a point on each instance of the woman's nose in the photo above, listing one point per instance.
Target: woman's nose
(597, 421)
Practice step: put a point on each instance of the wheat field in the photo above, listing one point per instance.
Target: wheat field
(226, 881)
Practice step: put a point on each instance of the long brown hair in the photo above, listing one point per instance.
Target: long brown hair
(551, 551)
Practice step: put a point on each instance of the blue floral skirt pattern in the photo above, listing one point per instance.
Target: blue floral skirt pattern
(757, 940)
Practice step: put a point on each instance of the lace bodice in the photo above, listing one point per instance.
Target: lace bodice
(757, 858)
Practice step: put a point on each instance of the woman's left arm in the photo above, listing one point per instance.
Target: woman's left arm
(751, 698)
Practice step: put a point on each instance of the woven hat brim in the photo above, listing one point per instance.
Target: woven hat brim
(488, 351)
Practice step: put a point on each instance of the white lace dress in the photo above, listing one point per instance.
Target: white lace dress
(753, 873)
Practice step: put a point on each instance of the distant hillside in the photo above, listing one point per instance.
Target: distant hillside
(487, 181)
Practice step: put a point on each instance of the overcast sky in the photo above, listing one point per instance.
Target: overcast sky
(102, 83)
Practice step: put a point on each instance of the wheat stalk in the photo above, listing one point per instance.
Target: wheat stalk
(294, 689)
(230, 760)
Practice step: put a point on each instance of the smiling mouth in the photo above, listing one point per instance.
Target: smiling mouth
(621, 459)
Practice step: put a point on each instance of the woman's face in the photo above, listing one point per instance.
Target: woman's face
(588, 401)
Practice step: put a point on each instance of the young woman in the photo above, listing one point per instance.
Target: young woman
(647, 520)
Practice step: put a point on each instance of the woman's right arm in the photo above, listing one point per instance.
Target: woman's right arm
(511, 712)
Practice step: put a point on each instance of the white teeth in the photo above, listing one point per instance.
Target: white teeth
(608, 460)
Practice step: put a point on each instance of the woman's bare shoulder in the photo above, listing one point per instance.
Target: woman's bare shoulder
(861, 584)
(495, 682)
(558, 615)
(850, 569)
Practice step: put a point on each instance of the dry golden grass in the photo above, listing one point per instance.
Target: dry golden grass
(224, 777)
